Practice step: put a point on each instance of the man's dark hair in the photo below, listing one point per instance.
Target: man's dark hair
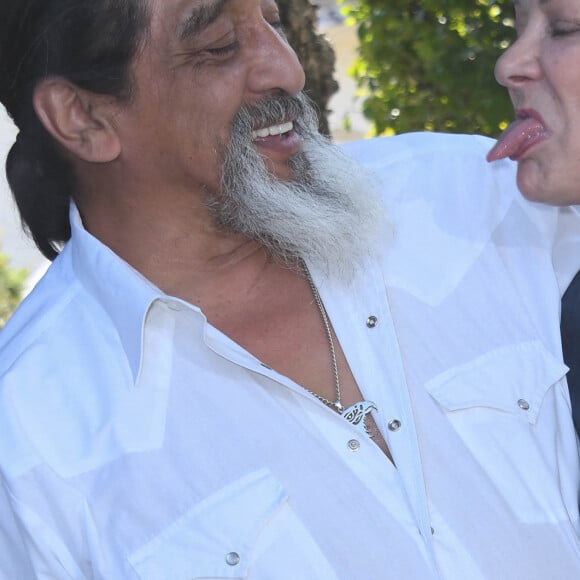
(91, 43)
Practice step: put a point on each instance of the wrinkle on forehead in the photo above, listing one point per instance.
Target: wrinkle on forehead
(203, 14)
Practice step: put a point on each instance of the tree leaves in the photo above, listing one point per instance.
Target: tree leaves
(11, 287)
(428, 65)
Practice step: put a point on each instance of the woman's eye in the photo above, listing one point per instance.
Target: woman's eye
(564, 28)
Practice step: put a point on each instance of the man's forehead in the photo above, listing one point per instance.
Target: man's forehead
(186, 17)
(202, 14)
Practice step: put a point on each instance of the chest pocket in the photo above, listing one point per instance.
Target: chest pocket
(513, 379)
(245, 530)
(509, 408)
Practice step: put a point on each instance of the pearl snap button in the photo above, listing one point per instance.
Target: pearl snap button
(372, 321)
(394, 425)
(523, 404)
(354, 445)
(233, 559)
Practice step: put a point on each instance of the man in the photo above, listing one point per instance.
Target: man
(231, 370)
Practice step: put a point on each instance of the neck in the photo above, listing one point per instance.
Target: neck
(176, 247)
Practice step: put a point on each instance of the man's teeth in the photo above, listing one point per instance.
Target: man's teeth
(272, 131)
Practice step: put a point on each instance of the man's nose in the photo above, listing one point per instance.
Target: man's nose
(275, 66)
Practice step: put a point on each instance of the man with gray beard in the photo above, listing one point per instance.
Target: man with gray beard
(237, 365)
(329, 214)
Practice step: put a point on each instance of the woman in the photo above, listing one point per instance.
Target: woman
(541, 70)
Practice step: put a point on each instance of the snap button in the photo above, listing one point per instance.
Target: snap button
(233, 559)
(354, 445)
(394, 425)
(432, 531)
(372, 321)
(524, 405)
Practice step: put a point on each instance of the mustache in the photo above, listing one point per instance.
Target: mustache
(274, 110)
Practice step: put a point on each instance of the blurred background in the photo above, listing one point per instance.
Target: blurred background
(374, 67)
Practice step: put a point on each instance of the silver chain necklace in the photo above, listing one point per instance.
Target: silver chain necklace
(355, 414)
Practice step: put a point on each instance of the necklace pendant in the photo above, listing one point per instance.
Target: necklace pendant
(356, 414)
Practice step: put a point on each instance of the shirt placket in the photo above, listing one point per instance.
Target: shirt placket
(362, 321)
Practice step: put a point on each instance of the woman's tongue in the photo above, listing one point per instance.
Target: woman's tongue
(515, 137)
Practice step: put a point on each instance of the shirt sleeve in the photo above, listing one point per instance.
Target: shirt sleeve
(29, 550)
(566, 253)
(14, 559)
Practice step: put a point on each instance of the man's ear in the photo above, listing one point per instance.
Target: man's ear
(81, 121)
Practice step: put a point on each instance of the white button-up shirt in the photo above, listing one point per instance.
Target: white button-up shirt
(139, 442)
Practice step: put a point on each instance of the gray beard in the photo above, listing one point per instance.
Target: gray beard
(329, 214)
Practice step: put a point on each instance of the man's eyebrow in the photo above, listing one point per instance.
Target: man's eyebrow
(202, 16)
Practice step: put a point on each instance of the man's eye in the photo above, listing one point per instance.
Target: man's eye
(224, 50)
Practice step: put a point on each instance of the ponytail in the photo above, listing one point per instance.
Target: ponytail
(42, 187)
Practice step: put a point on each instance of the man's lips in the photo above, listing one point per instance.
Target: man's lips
(273, 131)
(278, 141)
(522, 134)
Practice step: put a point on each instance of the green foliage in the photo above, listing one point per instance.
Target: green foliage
(428, 64)
(11, 287)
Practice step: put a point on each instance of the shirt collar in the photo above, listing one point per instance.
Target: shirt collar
(122, 292)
